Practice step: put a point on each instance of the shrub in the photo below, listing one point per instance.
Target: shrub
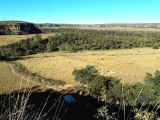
(108, 88)
(117, 98)
(136, 94)
(155, 79)
(145, 115)
(97, 85)
(103, 114)
(66, 47)
(85, 75)
(156, 46)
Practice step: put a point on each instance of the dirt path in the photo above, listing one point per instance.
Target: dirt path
(26, 78)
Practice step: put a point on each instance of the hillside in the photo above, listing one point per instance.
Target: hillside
(12, 22)
(18, 27)
(118, 26)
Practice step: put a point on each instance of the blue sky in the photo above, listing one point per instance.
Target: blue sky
(81, 11)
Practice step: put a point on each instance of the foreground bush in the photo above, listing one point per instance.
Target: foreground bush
(145, 115)
(155, 46)
(138, 101)
(85, 75)
(40, 104)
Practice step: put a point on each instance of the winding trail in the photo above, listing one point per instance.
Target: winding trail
(26, 78)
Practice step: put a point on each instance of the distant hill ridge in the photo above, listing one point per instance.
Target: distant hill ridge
(18, 27)
(12, 22)
(23, 27)
(134, 25)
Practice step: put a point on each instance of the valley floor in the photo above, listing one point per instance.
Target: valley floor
(130, 65)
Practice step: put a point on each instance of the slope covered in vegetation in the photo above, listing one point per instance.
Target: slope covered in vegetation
(75, 40)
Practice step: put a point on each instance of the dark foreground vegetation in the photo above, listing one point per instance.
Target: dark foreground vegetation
(104, 98)
(73, 40)
(35, 104)
(138, 101)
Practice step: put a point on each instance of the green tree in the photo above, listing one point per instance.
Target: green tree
(85, 75)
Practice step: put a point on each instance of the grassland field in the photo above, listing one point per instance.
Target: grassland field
(9, 81)
(130, 65)
(126, 29)
(114, 28)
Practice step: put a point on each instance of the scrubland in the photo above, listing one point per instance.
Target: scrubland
(9, 39)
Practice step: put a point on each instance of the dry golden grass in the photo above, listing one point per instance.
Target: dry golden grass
(131, 65)
(126, 29)
(10, 82)
(8, 39)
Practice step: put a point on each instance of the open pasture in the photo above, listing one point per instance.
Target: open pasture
(130, 65)
(10, 81)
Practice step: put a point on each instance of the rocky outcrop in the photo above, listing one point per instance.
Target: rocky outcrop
(18, 28)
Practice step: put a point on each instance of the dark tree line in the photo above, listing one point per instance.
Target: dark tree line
(73, 40)
(24, 47)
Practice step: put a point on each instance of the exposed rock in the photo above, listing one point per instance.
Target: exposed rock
(18, 28)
